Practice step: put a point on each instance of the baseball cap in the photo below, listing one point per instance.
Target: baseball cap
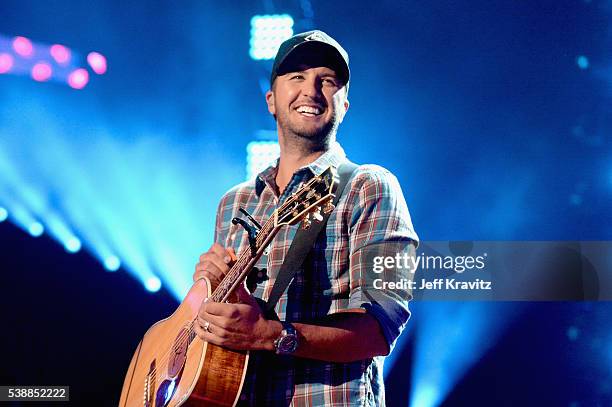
(311, 47)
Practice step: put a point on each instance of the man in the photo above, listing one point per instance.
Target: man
(342, 328)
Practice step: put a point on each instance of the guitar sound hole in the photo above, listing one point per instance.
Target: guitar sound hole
(179, 353)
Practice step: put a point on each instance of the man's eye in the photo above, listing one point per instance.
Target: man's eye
(329, 82)
(297, 76)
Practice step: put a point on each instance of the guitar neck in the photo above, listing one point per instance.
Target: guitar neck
(246, 261)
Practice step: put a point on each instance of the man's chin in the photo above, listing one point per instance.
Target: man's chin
(312, 135)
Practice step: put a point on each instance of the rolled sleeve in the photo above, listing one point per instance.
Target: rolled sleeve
(380, 225)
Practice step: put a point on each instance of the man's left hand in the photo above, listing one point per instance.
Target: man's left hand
(239, 326)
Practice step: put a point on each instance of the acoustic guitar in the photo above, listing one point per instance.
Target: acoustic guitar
(171, 365)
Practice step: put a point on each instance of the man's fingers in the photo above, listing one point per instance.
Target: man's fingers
(228, 256)
(232, 254)
(215, 323)
(219, 309)
(208, 336)
(208, 270)
(212, 260)
(217, 257)
(244, 296)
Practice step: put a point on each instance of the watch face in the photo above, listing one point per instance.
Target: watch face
(287, 344)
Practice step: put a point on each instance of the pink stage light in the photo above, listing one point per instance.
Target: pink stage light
(41, 72)
(97, 62)
(6, 62)
(60, 53)
(78, 78)
(23, 46)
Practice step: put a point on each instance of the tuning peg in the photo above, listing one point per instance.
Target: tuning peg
(317, 214)
(328, 208)
(306, 222)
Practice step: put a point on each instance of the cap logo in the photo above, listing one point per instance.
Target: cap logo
(315, 37)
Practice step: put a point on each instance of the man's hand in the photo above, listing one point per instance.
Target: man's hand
(240, 326)
(214, 264)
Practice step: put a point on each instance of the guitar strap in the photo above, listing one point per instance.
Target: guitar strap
(304, 241)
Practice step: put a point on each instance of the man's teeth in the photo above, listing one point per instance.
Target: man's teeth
(309, 110)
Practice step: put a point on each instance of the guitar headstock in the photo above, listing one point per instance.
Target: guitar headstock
(309, 200)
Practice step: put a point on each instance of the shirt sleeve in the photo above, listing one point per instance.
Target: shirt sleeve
(380, 227)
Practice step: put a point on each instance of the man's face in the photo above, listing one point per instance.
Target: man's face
(308, 102)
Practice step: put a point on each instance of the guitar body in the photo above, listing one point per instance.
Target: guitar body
(173, 367)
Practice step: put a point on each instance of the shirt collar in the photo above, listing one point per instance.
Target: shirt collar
(332, 157)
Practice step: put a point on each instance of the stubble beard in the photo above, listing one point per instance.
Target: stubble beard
(309, 140)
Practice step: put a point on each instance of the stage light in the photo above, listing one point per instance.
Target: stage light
(426, 397)
(48, 62)
(112, 263)
(153, 284)
(260, 154)
(41, 72)
(582, 62)
(449, 341)
(60, 54)
(6, 62)
(572, 333)
(3, 214)
(36, 229)
(78, 78)
(159, 232)
(97, 62)
(267, 34)
(23, 47)
(73, 245)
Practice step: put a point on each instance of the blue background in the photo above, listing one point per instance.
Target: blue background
(480, 109)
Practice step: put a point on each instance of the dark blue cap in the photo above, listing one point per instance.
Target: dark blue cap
(325, 49)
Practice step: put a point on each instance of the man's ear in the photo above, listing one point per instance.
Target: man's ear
(344, 106)
(270, 103)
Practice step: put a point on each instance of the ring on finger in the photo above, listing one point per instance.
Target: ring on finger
(206, 326)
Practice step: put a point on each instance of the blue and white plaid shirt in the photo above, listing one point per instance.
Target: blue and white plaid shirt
(371, 211)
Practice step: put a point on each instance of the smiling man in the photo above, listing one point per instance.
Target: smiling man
(327, 344)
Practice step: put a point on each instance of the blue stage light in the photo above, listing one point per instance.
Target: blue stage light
(260, 154)
(73, 245)
(572, 333)
(153, 284)
(158, 231)
(582, 62)
(427, 396)
(112, 263)
(267, 34)
(36, 229)
(449, 340)
(3, 214)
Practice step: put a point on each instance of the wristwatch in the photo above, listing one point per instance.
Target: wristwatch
(287, 342)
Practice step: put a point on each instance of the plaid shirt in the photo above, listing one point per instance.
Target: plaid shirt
(372, 210)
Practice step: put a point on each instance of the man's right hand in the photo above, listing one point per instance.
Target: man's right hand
(214, 264)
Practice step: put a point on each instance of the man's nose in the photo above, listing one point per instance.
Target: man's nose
(312, 87)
